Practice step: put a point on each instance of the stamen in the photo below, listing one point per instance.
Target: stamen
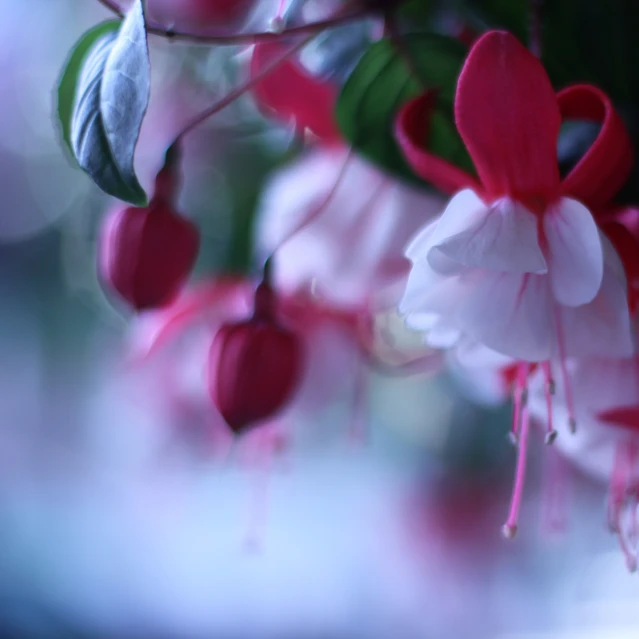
(520, 399)
(549, 390)
(570, 404)
(509, 529)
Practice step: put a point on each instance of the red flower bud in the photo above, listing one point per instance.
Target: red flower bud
(146, 254)
(254, 366)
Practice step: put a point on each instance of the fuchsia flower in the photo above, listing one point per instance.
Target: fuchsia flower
(147, 254)
(333, 221)
(517, 260)
(255, 365)
(353, 223)
(291, 94)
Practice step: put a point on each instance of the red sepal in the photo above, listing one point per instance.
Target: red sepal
(605, 167)
(507, 114)
(411, 131)
(292, 93)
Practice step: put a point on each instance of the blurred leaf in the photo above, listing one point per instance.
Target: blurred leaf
(68, 81)
(384, 80)
(111, 101)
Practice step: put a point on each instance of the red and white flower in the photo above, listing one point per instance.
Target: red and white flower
(517, 261)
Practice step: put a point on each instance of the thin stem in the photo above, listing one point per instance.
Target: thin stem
(244, 38)
(241, 90)
(314, 214)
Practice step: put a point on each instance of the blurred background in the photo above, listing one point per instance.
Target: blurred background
(115, 518)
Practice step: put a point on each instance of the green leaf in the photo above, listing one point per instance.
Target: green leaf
(67, 85)
(111, 100)
(384, 80)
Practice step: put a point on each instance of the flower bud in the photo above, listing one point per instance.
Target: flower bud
(254, 366)
(146, 254)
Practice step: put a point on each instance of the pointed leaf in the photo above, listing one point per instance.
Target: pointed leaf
(111, 101)
(67, 85)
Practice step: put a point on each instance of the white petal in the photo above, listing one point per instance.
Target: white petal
(419, 246)
(575, 256)
(601, 327)
(472, 354)
(430, 293)
(442, 335)
(508, 313)
(503, 238)
(421, 322)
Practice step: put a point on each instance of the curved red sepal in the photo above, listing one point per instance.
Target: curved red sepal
(291, 93)
(411, 132)
(605, 167)
(507, 114)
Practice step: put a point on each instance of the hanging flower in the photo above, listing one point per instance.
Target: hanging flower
(255, 365)
(518, 263)
(146, 254)
(353, 224)
(517, 259)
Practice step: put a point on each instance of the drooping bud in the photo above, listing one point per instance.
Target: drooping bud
(254, 365)
(146, 254)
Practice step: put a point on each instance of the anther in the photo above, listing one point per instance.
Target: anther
(512, 437)
(277, 25)
(552, 387)
(509, 531)
(572, 425)
(551, 436)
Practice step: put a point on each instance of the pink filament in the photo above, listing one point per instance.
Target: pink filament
(510, 527)
(548, 391)
(519, 399)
